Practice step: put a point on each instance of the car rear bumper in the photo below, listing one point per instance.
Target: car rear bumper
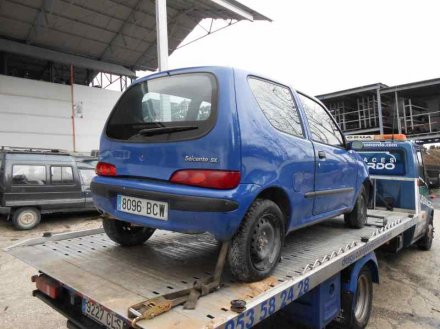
(190, 209)
(175, 201)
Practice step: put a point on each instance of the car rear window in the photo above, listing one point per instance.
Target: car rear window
(165, 109)
(381, 162)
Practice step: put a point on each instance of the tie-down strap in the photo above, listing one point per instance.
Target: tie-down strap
(153, 307)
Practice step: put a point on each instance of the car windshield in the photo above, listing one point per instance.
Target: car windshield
(167, 108)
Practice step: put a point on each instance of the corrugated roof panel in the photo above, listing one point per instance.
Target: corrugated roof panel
(118, 31)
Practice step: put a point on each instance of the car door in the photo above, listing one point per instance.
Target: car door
(335, 170)
(65, 186)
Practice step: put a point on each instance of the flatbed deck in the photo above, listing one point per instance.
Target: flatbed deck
(117, 277)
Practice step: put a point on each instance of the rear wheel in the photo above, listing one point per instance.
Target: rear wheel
(425, 243)
(357, 218)
(357, 310)
(26, 218)
(126, 234)
(256, 247)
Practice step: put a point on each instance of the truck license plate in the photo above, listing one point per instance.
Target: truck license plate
(142, 207)
(101, 315)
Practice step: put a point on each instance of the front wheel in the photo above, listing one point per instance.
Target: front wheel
(357, 218)
(256, 247)
(125, 233)
(425, 243)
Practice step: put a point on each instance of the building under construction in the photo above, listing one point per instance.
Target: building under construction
(412, 109)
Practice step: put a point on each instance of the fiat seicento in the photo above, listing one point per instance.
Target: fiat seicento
(224, 151)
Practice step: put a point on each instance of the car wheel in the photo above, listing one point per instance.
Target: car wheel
(126, 234)
(357, 218)
(26, 218)
(425, 243)
(256, 247)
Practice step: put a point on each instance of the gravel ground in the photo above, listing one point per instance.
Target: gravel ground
(408, 296)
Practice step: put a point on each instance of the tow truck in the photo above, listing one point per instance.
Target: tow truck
(326, 272)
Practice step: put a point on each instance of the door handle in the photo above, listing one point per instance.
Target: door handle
(321, 155)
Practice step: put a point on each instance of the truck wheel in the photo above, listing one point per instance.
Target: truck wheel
(359, 308)
(125, 233)
(26, 218)
(357, 218)
(425, 243)
(256, 247)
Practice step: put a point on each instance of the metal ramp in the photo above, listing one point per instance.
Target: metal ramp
(117, 277)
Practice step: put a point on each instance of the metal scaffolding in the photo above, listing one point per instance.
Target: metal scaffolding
(412, 109)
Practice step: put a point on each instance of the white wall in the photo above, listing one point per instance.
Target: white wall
(38, 114)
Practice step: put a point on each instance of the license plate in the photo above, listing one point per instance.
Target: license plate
(142, 207)
(101, 315)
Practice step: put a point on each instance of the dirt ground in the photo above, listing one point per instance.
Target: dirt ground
(407, 298)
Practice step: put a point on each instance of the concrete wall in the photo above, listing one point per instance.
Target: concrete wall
(38, 114)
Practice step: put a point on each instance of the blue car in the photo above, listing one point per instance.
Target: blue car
(224, 151)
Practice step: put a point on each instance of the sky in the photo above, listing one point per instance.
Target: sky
(320, 46)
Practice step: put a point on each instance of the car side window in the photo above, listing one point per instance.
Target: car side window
(322, 127)
(61, 175)
(28, 175)
(278, 106)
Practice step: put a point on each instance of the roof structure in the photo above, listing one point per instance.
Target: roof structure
(352, 91)
(119, 33)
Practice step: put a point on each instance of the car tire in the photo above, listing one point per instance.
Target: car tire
(357, 218)
(256, 247)
(425, 243)
(357, 310)
(26, 218)
(124, 233)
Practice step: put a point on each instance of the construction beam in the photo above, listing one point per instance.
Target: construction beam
(162, 34)
(236, 10)
(63, 58)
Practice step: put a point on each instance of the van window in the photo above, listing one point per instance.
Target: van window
(278, 106)
(28, 175)
(165, 109)
(87, 176)
(61, 175)
(321, 124)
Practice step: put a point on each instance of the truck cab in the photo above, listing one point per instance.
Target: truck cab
(400, 181)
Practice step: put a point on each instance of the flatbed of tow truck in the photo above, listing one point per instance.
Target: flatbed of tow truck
(92, 267)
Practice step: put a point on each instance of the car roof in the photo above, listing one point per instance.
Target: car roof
(217, 68)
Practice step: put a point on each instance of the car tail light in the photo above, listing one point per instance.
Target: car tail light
(105, 169)
(218, 179)
(47, 285)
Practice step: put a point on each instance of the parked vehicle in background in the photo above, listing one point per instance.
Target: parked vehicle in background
(38, 181)
(224, 151)
(433, 177)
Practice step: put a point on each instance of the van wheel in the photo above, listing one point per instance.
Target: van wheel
(126, 234)
(357, 218)
(256, 247)
(425, 243)
(26, 218)
(357, 310)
